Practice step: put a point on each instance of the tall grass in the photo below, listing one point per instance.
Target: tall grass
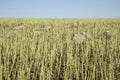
(55, 55)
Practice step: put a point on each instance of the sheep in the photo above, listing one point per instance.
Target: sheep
(75, 24)
(19, 26)
(71, 25)
(82, 37)
(12, 33)
(87, 35)
(108, 34)
(79, 37)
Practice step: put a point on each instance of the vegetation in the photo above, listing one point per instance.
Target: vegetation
(53, 54)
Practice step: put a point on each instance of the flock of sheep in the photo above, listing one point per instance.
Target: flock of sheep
(81, 37)
(84, 36)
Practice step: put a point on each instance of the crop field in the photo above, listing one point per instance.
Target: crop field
(59, 49)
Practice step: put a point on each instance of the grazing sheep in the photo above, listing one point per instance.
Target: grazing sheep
(38, 33)
(19, 26)
(87, 35)
(80, 38)
(75, 24)
(12, 33)
(108, 34)
(71, 25)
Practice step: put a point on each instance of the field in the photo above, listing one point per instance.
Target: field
(53, 54)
